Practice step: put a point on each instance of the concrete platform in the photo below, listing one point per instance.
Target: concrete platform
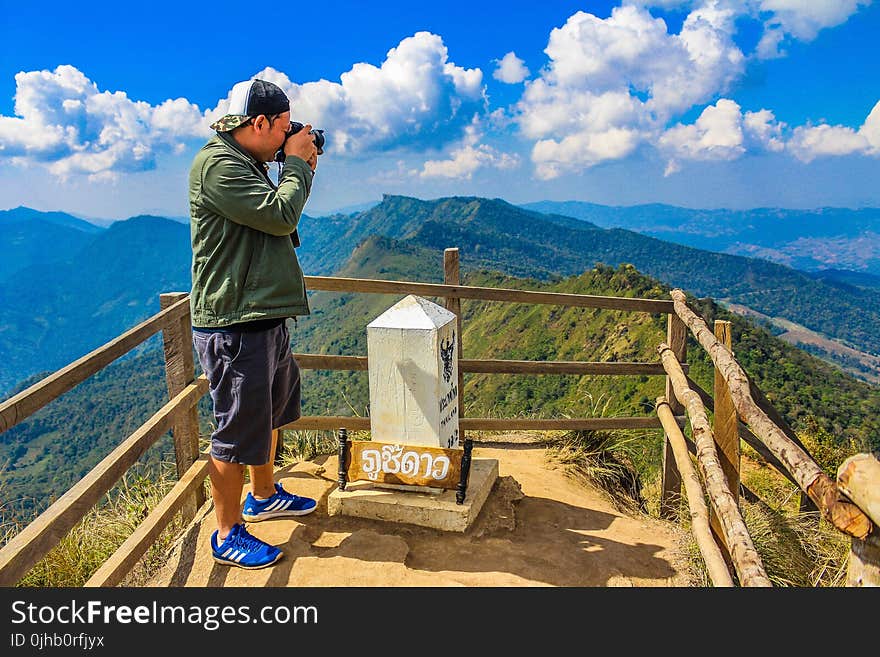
(364, 499)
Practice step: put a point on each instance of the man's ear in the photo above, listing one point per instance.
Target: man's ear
(259, 122)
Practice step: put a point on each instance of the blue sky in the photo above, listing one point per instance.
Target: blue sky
(698, 103)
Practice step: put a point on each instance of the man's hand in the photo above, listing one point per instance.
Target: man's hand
(302, 144)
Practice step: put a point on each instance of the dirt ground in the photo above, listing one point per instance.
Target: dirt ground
(537, 528)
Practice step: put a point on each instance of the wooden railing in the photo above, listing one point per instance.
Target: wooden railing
(33, 542)
(718, 456)
(730, 543)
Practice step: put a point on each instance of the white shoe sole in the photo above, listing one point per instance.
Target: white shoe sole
(278, 514)
(226, 562)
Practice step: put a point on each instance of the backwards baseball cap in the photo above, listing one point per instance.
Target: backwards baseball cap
(249, 99)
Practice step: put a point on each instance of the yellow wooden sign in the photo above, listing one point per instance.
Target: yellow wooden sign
(414, 465)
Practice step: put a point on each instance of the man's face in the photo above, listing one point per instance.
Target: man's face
(269, 133)
(278, 130)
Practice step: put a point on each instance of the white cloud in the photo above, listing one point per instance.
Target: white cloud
(721, 132)
(810, 142)
(613, 83)
(582, 150)
(662, 4)
(415, 99)
(870, 130)
(800, 19)
(765, 130)
(65, 122)
(716, 135)
(469, 156)
(781, 19)
(511, 69)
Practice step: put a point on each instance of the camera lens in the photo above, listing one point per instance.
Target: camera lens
(296, 126)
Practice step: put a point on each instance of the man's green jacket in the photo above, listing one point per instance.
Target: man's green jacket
(243, 228)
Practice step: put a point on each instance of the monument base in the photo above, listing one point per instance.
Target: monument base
(364, 499)
(410, 488)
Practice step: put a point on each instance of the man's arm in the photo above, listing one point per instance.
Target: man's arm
(233, 190)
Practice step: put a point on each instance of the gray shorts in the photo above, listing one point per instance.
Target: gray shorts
(255, 386)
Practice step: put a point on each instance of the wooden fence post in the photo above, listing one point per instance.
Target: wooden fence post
(452, 276)
(858, 477)
(863, 568)
(179, 373)
(670, 496)
(726, 429)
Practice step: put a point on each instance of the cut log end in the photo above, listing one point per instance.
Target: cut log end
(839, 511)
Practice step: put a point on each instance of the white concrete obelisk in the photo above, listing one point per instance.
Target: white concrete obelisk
(413, 370)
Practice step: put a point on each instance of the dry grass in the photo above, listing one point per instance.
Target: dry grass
(609, 460)
(306, 445)
(603, 459)
(103, 529)
(797, 549)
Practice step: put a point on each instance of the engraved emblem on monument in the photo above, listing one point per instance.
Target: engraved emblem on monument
(447, 353)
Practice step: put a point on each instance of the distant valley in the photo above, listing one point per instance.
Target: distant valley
(809, 240)
(858, 363)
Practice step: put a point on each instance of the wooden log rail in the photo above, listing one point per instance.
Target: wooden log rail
(745, 434)
(493, 366)
(18, 408)
(356, 423)
(712, 556)
(843, 514)
(857, 477)
(24, 404)
(33, 542)
(336, 284)
(736, 535)
(120, 563)
(755, 443)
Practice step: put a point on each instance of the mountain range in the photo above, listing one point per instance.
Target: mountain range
(810, 240)
(68, 294)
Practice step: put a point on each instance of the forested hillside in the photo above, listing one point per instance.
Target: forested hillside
(29, 237)
(497, 235)
(45, 455)
(53, 315)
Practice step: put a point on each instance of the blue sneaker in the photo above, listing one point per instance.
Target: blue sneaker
(244, 550)
(281, 504)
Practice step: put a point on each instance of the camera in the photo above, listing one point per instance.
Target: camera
(296, 126)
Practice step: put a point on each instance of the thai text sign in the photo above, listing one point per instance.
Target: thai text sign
(415, 465)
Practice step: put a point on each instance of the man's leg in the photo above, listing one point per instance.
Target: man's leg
(265, 501)
(231, 544)
(263, 476)
(227, 480)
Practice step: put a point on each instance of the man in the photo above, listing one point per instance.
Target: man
(246, 281)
